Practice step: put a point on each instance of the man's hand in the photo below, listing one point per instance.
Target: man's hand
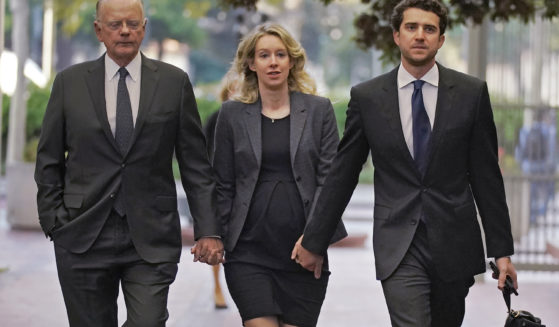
(308, 260)
(208, 250)
(505, 267)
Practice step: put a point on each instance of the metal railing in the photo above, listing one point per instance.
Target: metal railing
(533, 198)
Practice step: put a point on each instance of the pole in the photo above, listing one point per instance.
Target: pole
(2, 20)
(48, 38)
(18, 109)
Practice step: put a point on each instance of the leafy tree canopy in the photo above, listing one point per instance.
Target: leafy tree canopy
(175, 19)
(373, 26)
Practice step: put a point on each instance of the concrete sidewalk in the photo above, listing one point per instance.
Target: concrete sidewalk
(30, 295)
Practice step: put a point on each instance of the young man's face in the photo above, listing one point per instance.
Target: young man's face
(419, 37)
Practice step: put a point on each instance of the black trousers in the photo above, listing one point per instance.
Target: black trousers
(90, 281)
(415, 294)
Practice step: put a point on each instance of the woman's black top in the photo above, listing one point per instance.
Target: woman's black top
(276, 218)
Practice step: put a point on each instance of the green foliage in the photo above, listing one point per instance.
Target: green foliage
(206, 107)
(551, 9)
(30, 150)
(373, 29)
(248, 4)
(178, 19)
(373, 26)
(75, 16)
(175, 19)
(340, 108)
(36, 105)
(176, 170)
(508, 120)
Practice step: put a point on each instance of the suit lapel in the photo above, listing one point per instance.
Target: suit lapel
(391, 111)
(253, 124)
(297, 123)
(96, 86)
(445, 95)
(149, 79)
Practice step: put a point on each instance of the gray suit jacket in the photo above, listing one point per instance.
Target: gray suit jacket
(238, 152)
(80, 168)
(462, 172)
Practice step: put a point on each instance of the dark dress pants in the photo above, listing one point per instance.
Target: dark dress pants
(415, 294)
(90, 281)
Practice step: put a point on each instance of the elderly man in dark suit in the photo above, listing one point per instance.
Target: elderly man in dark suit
(433, 142)
(106, 192)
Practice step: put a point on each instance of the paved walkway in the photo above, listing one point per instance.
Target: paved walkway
(30, 295)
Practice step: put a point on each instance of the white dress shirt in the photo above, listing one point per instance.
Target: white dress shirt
(405, 92)
(133, 82)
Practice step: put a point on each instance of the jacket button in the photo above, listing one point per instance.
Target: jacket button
(298, 178)
(123, 165)
(112, 195)
(306, 202)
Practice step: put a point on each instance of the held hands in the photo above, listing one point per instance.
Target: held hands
(308, 260)
(506, 268)
(208, 250)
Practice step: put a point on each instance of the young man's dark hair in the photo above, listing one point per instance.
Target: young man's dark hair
(428, 5)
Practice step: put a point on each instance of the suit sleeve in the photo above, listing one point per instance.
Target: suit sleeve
(340, 182)
(224, 165)
(487, 182)
(50, 165)
(195, 169)
(328, 144)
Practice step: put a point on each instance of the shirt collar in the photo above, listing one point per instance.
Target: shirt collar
(405, 78)
(134, 68)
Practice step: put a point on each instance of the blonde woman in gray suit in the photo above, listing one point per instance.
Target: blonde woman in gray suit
(273, 146)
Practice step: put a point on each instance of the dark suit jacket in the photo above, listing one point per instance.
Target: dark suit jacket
(462, 172)
(238, 153)
(80, 168)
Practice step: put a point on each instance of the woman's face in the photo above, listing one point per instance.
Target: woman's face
(271, 63)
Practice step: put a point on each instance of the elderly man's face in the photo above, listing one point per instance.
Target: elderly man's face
(121, 26)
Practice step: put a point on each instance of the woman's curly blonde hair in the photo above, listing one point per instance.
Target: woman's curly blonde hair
(247, 88)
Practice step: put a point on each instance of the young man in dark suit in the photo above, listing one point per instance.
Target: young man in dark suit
(106, 191)
(433, 142)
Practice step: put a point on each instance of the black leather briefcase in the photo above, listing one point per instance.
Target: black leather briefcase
(522, 318)
(515, 318)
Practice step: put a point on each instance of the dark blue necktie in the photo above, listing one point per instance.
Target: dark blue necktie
(124, 130)
(124, 122)
(421, 127)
